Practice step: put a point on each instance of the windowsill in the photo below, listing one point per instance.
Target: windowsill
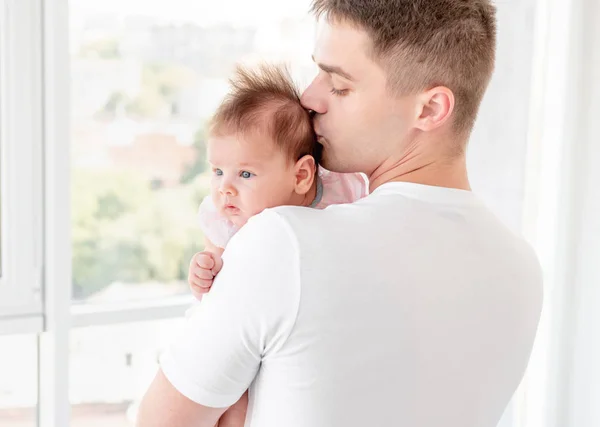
(124, 312)
(26, 324)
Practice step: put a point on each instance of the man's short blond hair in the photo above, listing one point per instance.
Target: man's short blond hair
(427, 43)
(265, 100)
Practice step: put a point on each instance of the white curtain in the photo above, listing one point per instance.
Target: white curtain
(562, 216)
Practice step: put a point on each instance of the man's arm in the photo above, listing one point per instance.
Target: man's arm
(244, 319)
(236, 414)
(164, 406)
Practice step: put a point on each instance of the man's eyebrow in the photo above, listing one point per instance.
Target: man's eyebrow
(333, 69)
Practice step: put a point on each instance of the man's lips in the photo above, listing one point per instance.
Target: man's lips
(318, 132)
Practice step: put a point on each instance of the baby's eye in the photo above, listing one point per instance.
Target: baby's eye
(218, 172)
(246, 174)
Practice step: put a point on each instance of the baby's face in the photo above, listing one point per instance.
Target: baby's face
(249, 174)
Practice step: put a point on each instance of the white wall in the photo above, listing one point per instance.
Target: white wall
(498, 147)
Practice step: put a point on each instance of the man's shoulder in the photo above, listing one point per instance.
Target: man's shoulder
(329, 213)
(263, 255)
(284, 230)
(267, 229)
(301, 222)
(530, 265)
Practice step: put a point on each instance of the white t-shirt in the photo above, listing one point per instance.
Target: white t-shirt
(411, 307)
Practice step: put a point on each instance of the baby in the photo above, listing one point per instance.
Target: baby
(263, 153)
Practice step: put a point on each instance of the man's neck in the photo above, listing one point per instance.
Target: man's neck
(419, 169)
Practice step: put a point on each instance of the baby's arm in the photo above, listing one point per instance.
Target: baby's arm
(204, 266)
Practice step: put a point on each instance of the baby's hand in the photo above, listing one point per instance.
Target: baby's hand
(203, 269)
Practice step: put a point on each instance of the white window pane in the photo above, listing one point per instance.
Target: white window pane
(145, 78)
(18, 380)
(111, 367)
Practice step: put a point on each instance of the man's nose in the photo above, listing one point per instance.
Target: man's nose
(311, 100)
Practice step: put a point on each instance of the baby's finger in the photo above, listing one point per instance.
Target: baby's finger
(205, 284)
(218, 265)
(201, 283)
(205, 260)
(203, 273)
(198, 292)
(195, 280)
(205, 279)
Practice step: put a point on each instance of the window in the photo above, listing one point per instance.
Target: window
(111, 367)
(144, 80)
(19, 373)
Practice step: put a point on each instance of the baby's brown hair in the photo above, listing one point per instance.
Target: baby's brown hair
(265, 100)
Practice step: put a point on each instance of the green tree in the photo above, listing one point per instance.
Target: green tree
(106, 48)
(123, 231)
(100, 253)
(161, 84)
(200, 163)
(113, 103)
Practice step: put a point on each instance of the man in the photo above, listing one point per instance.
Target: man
(411, 307)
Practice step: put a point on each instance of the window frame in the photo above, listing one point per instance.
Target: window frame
(21, 144)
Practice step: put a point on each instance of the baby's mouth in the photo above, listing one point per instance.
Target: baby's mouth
(231, 209)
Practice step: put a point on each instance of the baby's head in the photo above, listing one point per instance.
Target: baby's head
(261, 146)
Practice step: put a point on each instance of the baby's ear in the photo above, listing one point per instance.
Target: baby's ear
(305, 170)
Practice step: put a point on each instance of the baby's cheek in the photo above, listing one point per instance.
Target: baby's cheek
(254, 211)
(240, 221)
(256, 203)
(215, 196)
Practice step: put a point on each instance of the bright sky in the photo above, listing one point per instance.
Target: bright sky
(202, 12)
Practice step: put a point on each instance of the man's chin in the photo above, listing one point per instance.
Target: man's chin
(328, 160)
(329, 165)
(332, 165)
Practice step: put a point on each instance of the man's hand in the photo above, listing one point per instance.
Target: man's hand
(204, 266)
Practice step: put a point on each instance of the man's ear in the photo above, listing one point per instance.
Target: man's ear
(305, 170)
(435, 107)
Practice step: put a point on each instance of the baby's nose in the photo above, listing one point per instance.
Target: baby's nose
(227, 189)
